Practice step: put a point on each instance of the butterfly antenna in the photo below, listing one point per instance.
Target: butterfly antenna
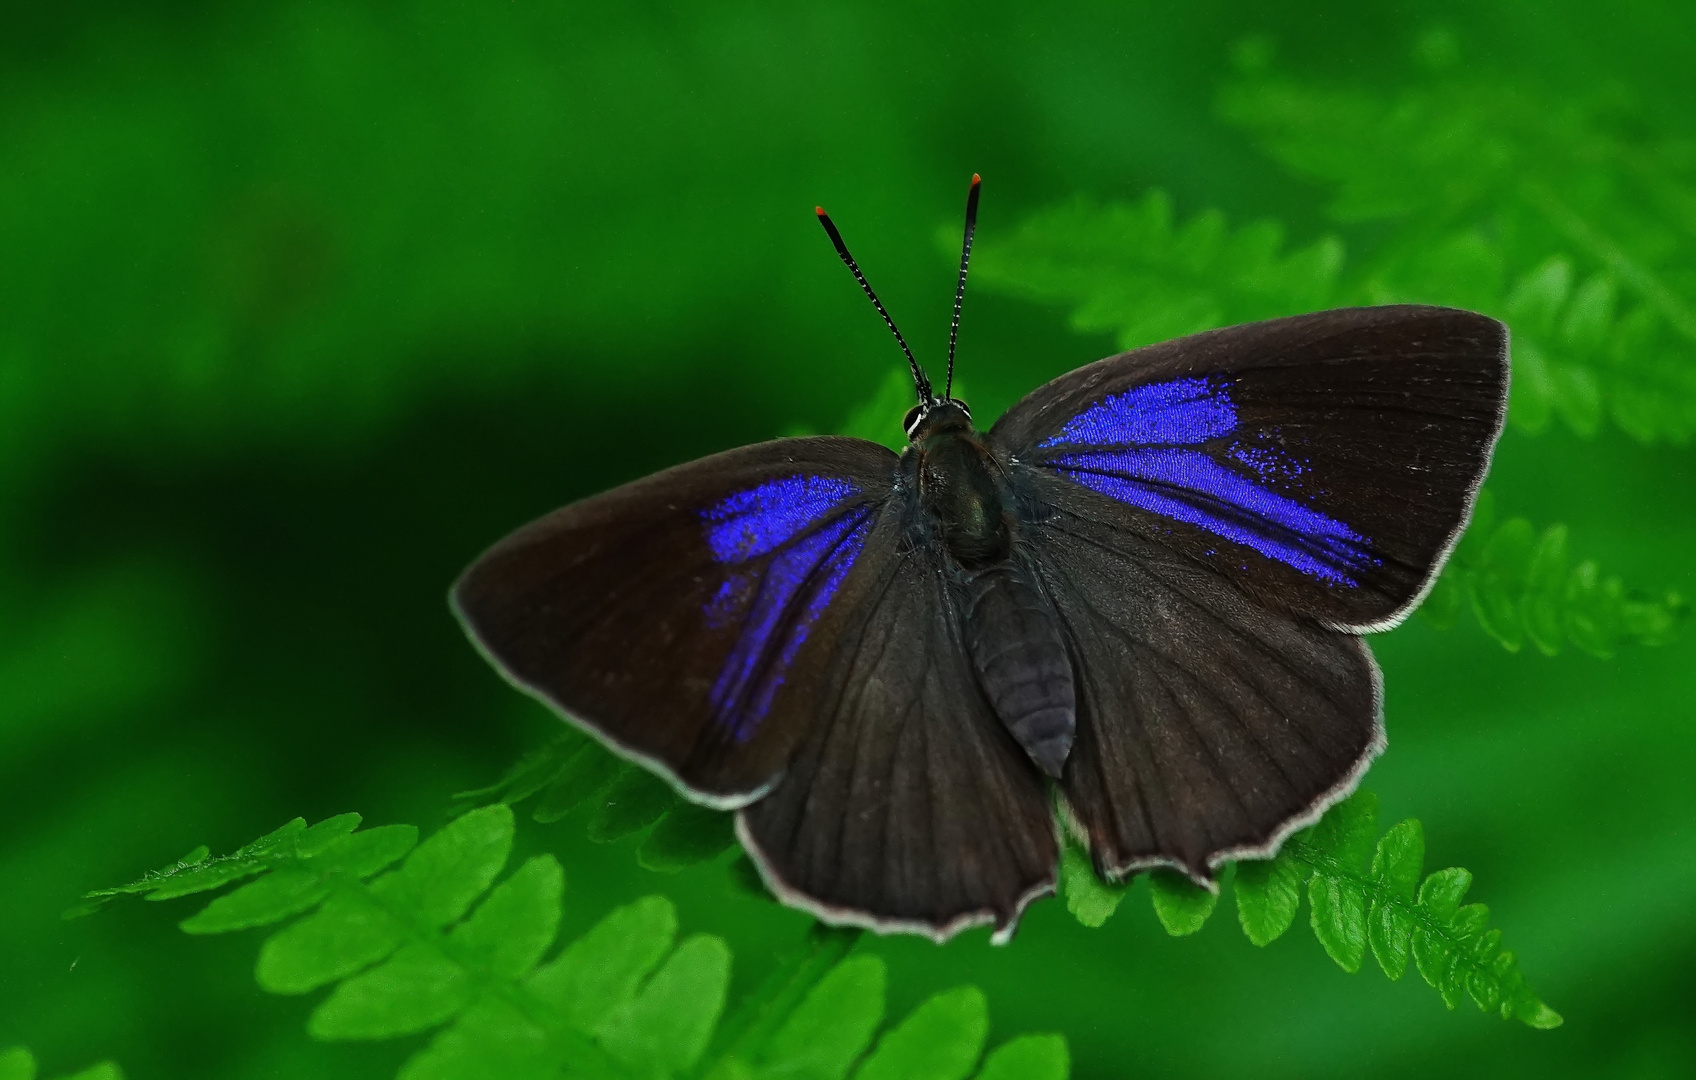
(960, 289)
(920, 382)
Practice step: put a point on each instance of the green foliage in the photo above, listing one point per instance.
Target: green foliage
(1181, 906)
(1557, 212)
(436, 944)
(1128, 269)
(818, 1012)
(1521, 586)
(1551, 218)
(18, 1063)
(1559, 337)
(1091, 900)
(313, 854)
(1363, 892)
(570, 769)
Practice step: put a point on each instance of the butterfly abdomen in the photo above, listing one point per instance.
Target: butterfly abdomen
(1013, 636)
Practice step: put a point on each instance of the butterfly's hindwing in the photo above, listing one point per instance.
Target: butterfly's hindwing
(1325, 463)
(909, 805)
(666, 615)
(1208, 727)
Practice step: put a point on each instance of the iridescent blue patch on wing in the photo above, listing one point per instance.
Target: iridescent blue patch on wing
(1190, 486)
(759, 519)
(1129, 447)
(1268, 463)
(1176, 412)
(799, 546)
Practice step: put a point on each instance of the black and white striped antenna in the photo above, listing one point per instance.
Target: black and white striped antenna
(920, 382)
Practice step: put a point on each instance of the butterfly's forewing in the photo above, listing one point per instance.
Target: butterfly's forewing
(908, 805)
(1324, 463)
(667, 615)
(1208, 726)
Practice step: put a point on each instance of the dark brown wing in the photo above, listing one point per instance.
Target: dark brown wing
(909, 806)
(1324, 463)
(665, 616)
(1208, 726)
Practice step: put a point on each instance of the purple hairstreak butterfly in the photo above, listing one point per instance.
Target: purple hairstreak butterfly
(1134, 604)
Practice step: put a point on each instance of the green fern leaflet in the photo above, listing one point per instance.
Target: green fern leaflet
(438, 943)
(1520, 587)
(570, 770)
(1363, 891)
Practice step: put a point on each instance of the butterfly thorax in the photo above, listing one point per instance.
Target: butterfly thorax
(960, 483)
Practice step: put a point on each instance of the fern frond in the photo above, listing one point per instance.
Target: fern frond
(18, 1063)
(1502, 198)
(1129, 269)
(571, 770)
(1363, 892)
(324, 848)
(436, 944)
(1521, 587)
(755, 1020)
(1573, 351)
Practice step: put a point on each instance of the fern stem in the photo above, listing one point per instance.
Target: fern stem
(1375, 891)
(578, 1048)
(1639, 277)
(758, 1016)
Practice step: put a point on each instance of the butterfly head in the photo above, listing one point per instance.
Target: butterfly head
(934, 417)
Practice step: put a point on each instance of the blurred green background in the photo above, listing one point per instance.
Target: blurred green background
(302, 304)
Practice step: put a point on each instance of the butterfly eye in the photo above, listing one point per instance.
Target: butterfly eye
(911, 421)
(962, 406)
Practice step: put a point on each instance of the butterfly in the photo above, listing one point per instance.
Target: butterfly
(1132, 609)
